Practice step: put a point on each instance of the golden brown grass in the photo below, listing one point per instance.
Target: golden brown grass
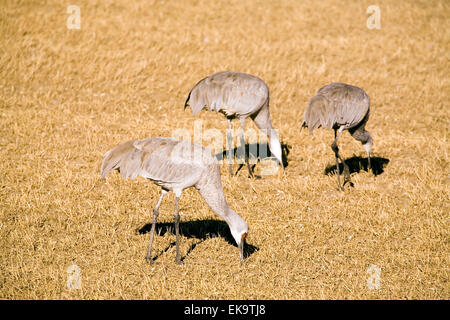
(67, 96)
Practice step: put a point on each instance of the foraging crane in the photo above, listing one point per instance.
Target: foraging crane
(175, 165)
(236, 95)
(340, 106)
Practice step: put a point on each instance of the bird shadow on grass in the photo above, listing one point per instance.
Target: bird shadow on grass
(198, 229)
(357, 163)
(255, 151)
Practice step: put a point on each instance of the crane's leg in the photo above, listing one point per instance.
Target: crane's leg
(177, 230)
(155, 216)
(246, 156)
(336, 149)
(338, 157)
(346, 173)
(230, 154)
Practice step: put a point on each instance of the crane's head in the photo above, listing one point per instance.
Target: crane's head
(239, 231)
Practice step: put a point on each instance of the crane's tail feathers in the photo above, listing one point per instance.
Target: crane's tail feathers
(123, 158)
(317, 114)
(309, 127)
(109, 163)
(187, 100)
(198, 101)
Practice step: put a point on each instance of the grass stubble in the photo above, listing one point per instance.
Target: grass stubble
(68, 96)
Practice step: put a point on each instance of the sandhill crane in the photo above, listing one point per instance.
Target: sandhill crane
(236, 95)
(341, 107)
(175, 165)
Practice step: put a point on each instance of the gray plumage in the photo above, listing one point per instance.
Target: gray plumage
(236, 95)
(340, 106)
(175, 165)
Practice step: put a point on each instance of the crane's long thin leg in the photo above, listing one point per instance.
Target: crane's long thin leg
(177, 230)
(338, 157)
(246, 156)
(155, 216)
(230, 154)
(346, 168)
(337, 167)
(335, 148)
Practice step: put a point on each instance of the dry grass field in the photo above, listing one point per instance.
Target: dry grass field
(69, 95)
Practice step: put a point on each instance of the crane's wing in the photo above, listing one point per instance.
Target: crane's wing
(230, 92)
(163, 160)
(350, 104)
(172, 160)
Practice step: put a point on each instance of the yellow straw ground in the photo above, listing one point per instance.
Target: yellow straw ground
(68, 96)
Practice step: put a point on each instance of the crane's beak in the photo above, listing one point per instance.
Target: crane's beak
(241, 246)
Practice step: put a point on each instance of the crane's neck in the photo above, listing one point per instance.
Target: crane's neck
(367, 145)
(275, 145)
(364, 137)
(210, 187)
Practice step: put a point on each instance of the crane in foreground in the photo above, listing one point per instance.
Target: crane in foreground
(340, 107)
(237, 95)
(175, 165)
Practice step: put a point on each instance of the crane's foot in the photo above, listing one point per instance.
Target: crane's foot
(347, 178)
(249, 167)
(349, 182)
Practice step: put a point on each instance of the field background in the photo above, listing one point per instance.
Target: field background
(67, 96)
